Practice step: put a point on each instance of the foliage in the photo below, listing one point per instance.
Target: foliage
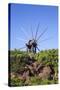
(19, 59)
(16, 82)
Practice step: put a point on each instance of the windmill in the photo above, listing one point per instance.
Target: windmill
(32, 45)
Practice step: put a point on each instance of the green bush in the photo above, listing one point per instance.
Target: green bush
(19, 59)
(16, 82)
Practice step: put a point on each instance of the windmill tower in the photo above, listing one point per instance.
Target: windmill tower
(31, 46)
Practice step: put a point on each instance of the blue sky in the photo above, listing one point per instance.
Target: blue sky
(24, 17)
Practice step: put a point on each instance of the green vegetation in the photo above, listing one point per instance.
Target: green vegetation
(33, 69)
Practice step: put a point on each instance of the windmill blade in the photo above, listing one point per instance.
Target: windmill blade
(23, 47)
(37, 31)
(32, 33)
(42, 33)
(46, 39)
(21, 39)
(23, 30)
(38, 49)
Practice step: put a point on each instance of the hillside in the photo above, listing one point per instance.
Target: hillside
(33, 69)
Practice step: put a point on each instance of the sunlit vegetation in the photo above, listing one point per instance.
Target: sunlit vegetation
(33, 69)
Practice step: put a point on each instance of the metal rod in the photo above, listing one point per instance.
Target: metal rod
(22, 47)
(32, 33)
(21, 39)
(42, 33)
(36, 31)
(26, 35)
(38, 49)
(46, 39)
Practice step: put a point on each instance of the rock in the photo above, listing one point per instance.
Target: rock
(39, 68)
(20, 77)
(12, 75)
(45, 74)
(25, 74)
(47, 70)
(31, 71)
(34, 65)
